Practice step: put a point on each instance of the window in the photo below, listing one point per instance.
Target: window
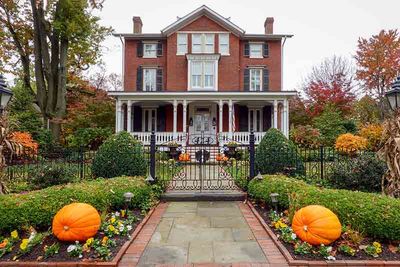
(256, 51)
(255, 120)
(224, 43)
(149, 120)
(149, 79)
(182, 44)
(203, 43)
(196, 43)
(150, 50)
(255, 79)
(202, 74)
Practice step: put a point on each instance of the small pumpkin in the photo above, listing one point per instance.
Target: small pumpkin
(76, 222)
(218, 157)
(184, 157)
(316, 225)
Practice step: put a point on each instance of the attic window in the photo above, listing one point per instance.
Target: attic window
(203, 43)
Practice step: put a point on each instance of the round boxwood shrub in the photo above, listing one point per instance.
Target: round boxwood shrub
(277, 154)
(363, 173)
(120, 154)
(50, 174)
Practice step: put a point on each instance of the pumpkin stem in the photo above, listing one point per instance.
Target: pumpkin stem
(305, 228)
(66, 228)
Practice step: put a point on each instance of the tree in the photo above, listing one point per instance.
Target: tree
(330, 124)
(366, 111)
(378, 60)
(298, 112)
(66, 40)
(330, 83)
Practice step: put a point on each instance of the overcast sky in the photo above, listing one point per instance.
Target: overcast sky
(321, 28)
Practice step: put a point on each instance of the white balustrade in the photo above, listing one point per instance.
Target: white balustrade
(239, 137)
(161, 137)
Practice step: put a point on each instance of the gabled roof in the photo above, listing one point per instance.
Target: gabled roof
(202, 11)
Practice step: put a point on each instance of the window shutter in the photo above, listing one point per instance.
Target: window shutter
(265, 80)
(139, 49)
(266, 118)
(246, 49)
(265, 50)
(159, 80)
(243, 119)
(247, 79)
(159, 49)
(161, 119)
(139, 79)
(137, 119)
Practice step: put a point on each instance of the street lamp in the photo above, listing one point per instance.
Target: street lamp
(5, 94)
(393, 95)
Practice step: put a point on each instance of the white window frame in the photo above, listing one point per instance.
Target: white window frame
(251, 46)
(149, 111)
(203, 43)
(220, 50)
(154, 81)
(154, 51)
(203, 75)
(254, 119)
(179, 50)
(251, 87)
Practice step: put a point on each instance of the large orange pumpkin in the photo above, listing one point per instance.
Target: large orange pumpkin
(316, 225)
(76, 222)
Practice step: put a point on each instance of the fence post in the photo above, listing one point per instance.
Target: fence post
(252, 155)
(153, 155)
(81, 162)
(321, 154)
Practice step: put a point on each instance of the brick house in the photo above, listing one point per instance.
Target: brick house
(202, 75)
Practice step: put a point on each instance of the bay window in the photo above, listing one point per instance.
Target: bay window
(203, 74)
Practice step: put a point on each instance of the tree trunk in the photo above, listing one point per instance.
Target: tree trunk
(55, 129)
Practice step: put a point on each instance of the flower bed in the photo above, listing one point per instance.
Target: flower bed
(350, 246)
(116, 229)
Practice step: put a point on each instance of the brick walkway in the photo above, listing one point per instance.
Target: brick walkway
(203, 234)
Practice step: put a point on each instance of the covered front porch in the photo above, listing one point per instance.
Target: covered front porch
(184, 116)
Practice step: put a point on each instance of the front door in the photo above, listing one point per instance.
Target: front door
(203, 126)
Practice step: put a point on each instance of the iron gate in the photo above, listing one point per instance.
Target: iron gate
(202, 164)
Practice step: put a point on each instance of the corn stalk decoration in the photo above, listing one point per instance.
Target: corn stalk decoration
(6, 145)
(390, 152)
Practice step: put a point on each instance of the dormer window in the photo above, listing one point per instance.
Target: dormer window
(203, 43)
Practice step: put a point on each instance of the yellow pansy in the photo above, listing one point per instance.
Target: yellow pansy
(24, 244)
(112, 220)
(111, 228)
(122, 213)
(279, 225)
(89, 242)
(376, 244)
(14, 234)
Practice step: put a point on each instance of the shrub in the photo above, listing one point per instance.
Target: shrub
(350, 144)
(373, 134)
(90, 138)
(306, 136)
(372, 214)
(330, 124)
(38, 208)
(363, 173)
(48, 175)
(277, 154)
(120, 154)
(26, 141)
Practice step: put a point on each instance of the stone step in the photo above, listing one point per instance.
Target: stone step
(204, 196)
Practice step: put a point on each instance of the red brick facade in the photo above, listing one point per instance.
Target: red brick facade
(175, 67)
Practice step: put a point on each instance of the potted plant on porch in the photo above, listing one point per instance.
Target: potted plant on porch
(173, 149)
(231, 148)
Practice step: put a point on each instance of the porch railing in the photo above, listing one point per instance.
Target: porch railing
(161, 137)
(240, 137)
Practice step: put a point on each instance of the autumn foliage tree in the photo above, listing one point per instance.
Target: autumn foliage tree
(378, 60)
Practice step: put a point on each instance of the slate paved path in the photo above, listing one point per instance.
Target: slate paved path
(219, 233)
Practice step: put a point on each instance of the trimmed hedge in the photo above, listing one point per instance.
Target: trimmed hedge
(38, 208)
(372, 214)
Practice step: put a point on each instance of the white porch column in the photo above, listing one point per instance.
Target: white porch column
(129, 115)
(275, 114)
(221, 110)
(230, 118)
(285, 127)
(184, 118)
(118, 119)
(175, 117)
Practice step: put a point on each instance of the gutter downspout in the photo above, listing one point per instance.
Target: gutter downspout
(282, 61)
(123, 62)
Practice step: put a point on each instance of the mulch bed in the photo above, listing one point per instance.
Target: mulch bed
(37, 252)
(386, 254)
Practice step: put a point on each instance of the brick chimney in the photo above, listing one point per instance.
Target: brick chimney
(269, 25)
(137, 25)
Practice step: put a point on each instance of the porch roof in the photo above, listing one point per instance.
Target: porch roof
(203, 95)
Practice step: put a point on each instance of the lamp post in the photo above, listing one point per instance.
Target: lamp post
(274, 200)
(5, 94)
(128, 199)
(393, 95)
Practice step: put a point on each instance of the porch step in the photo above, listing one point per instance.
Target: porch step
(204, 196)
